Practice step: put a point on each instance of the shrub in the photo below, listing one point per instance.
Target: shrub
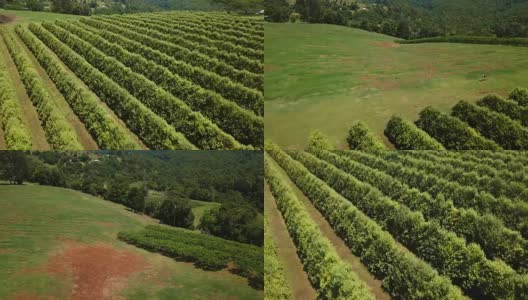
(360, 138)
(406, 136)
(295, 17)
(520, 95)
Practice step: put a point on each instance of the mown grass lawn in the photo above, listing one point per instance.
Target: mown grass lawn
(327, 77)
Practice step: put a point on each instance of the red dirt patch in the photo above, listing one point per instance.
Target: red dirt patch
(97, 271)
(386, 45)
(7, 19)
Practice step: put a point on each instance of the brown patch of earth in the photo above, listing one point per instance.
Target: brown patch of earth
(268, 68)
(386, 45)
(7, 19)
(97, 271)
(28, 296)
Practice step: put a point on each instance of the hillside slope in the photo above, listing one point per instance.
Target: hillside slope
(62, 244)
(337, 75)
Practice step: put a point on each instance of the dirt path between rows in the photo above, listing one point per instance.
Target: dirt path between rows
(297, 278)
(82, 133)
(30, 116)
(339, 245)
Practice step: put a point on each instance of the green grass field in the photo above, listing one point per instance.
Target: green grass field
(58, 243)
(327, 77)
(24, 17)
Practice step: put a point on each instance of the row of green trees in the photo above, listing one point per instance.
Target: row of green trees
(59, 133)
(470, 40)
(171, 113)
(466, 264)
(497, 241)
(361, 138)
(452, 132)
(157, 41)
(330, 276)
(407, 136)
(277, 286)
(207, 252)
(16, 134)
(233, 91)
(402, 274)
(99, 122)
(513, 214)
(155, 132)
(505, 106)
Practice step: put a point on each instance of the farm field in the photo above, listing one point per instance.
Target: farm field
(168, 80)
(328, 77)
(59, 243)
(399, 225)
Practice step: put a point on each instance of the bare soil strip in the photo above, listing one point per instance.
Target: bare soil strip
(83, 135)
(30, 115)
(297, 278)
(342, 249)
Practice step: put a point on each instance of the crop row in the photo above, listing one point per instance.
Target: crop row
(199, 130)
(146, 37)
(16, 134)
(209, 253)
(277, 286)
(245, 97)
(155, 132)
(59, 133)
(403, 275)
(247, 48)
(329, 275)
(242, 124)
(406, 136)
(196, 42)
(466, 264)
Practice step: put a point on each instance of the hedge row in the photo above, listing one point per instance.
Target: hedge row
(496, 182)
(145, 36)
(466, 264)
(508, 107)
(59, 133)
(16, 134)
(240, 123)
(277, 287)
(470, 40)
(222, 44)
(198, 129)
(155, 132)
(361, 138)
(406, 136)
(207, 252)
(493, 185)
(495, 240)
(451, 132)
(245, 97)
(509, 134)
(512, 161)
(403, 275)
(513, 214)
(210, 35)
(331, 277)
(182, 38)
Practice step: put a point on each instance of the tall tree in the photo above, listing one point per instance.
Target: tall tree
(176, 211)
(15, 166)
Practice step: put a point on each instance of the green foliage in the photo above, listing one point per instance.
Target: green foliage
(151, 128)
(59, 133)
(403, 275)
(488, 231)
(240, 123)
(318, 140)
(277, 287)
(295, 18)
(235, 222)
(509, 134)
(361, 138)
(277, 10)
(136, 198)
(520, 95)
(176, 211)
(452, 132)
(98, 121)
(490, 40)
(331, 277)
(207, 252)
(14, 167)
(16, 134)
(508, 107)
(406, 136)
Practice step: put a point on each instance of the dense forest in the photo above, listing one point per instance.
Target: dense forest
(89, 7)
(232, 178)
(411, 19)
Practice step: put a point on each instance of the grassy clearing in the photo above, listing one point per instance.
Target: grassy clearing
(25, 17)
(35, 221)
(327, 77)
